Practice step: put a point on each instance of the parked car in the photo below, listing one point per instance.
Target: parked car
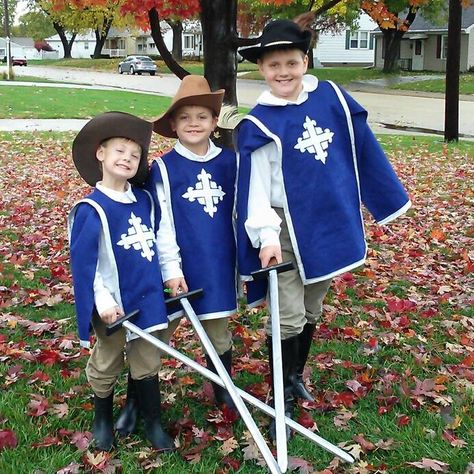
(137, 64)
(16, 61)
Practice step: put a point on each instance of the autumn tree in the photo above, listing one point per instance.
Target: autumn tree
(34, 24)
(394, 18)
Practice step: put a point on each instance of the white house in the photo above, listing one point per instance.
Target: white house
(121, 43)
(82, 47)
(349, 47)
(24, 48)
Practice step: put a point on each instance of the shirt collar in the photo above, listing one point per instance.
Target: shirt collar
(212, 152)
(125, 197)
(310, 83)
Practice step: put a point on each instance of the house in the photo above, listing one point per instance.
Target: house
(352, 47)
(424, 46)
(125, 42)
(24, 48)
(82, 47)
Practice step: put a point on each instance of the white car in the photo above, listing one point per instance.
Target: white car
(138, 65)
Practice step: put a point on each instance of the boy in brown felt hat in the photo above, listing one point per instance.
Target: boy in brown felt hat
(115, 268)
(194, 184)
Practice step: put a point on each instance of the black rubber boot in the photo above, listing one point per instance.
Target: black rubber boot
(103, 427)
(221, 395)
(149, 403)
(127, 419)
(305, 339)
(289, 351)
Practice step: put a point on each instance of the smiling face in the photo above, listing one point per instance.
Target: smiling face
(120, 158)
(283, 71)
(194, 124)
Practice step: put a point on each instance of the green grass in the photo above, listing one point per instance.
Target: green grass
(466, 85)
(335, 359)
(40, 102)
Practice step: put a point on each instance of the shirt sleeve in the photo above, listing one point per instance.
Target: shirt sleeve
(102, 296)
(262, 224)
(168, 249)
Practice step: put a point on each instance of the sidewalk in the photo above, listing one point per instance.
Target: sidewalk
(390, 110)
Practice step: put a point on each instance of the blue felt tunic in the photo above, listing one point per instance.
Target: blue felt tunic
(331, 164)
(200, 197)
(128, 231)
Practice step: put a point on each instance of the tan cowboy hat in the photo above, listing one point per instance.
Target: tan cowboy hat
(193, 90)
(101, 128)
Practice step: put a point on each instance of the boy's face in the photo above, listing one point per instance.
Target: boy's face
(283, 71)
(120, 158)
(194, 124)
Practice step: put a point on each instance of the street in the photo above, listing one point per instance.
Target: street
(387, 109)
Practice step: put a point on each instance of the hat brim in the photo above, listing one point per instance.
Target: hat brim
(255, 52)
(101, 128)
(212, 100)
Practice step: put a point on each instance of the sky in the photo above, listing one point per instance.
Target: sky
(21, 8)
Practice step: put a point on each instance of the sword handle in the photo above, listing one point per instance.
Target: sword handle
(114, 327)
(280, 268)
(189, 295)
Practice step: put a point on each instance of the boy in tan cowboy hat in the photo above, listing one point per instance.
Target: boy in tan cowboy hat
(115, 267)
(195, 184)
(308, 159)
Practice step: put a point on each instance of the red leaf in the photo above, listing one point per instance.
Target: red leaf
(403, 420)
(307, 421)
(48, 357)
(7, 439)
(48, 441)
(38, 406)
(81, 439)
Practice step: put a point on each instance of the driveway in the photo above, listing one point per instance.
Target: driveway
(388, 110)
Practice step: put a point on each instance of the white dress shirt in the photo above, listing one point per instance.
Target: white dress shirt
(266, 180)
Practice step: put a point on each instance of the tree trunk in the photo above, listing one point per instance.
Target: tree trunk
(391, 44)
(174, 67)
(453, 61)
(67, 45)
(100, 37)
(219, 32)
(392, 39)
(177, 28)
(219, 26)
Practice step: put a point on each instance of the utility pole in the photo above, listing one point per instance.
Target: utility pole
(453, 62)
(7, 39)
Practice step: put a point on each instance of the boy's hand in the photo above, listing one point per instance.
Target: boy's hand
(111, 315)
(268, 253)
(176, 285)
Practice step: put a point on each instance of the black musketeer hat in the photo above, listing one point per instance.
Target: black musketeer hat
(278, 34)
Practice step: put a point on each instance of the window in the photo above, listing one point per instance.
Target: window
(139, 47)
(86, 44)
(444, 46)
(359, 40)
(188, 41)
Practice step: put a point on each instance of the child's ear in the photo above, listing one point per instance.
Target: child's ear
(99, 154)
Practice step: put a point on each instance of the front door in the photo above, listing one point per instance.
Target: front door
(418, 55)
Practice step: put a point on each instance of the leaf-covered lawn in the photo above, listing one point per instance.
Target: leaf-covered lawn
(392, 364)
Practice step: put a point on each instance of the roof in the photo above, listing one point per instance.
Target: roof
(23, 41)
(421, 24)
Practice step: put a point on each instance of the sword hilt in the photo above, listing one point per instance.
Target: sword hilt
(279, 267)
(189, 295)
(114, 327)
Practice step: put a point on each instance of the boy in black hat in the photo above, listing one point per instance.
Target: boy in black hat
(308, 160)
(115, 267)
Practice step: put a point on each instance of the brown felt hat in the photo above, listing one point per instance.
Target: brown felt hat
(101, 128)
(193, 90)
